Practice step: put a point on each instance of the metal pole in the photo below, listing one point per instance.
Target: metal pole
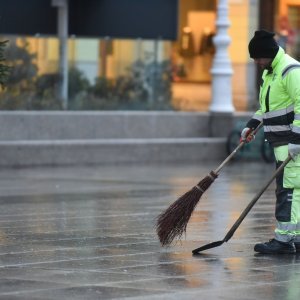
(62, 24)
(221, 70)
(153, 98)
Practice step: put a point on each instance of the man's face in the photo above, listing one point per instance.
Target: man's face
(263, 63)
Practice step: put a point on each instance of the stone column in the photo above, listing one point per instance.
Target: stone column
(221, 107)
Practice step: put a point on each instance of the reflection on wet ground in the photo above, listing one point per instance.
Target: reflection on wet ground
(88, 233)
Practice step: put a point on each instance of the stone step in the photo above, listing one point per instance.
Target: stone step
(61, 125)
(23, 153)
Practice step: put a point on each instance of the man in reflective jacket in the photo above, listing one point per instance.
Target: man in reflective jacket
(279, 110)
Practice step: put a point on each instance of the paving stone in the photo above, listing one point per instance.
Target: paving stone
(89, 233)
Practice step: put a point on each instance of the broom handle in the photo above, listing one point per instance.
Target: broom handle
(240, 145)
(251, 204)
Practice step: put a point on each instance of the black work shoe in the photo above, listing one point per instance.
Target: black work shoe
(275, 247)
(297, 245)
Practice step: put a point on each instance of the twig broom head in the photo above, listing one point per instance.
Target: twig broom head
(173, 221)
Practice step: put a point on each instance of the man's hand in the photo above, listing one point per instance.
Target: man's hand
(294, 150)
(246, 135)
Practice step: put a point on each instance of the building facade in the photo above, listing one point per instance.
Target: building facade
(190, 55)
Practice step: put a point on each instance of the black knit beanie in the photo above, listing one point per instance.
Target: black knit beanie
(263, 45)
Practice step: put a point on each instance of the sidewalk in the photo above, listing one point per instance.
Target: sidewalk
(88, 233)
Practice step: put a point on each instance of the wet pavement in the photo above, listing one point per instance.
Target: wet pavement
(88, 233)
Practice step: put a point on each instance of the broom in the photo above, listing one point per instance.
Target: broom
(173, 221)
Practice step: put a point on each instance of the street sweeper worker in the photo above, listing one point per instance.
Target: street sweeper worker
(279, 109)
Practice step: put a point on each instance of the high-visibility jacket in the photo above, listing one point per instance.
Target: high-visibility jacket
(279, 99)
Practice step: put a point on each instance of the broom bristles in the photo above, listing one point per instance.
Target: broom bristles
(173, 221)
